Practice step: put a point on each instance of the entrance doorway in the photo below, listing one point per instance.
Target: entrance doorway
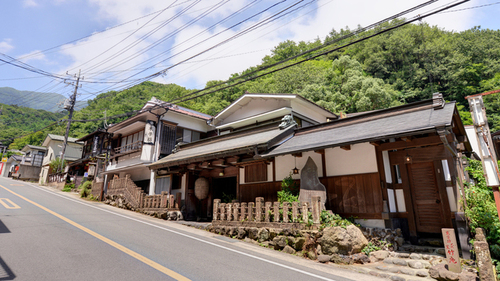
(224, 189)
(427, 201)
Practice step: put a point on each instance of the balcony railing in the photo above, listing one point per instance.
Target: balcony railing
(128, 149)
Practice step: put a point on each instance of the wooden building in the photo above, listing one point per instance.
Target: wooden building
(397, 167)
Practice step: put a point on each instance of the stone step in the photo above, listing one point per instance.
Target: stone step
(421, 249)
(396, 273)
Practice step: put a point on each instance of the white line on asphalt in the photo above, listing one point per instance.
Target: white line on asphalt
(188, 236)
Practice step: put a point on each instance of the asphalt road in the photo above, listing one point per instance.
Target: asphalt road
(51, 235)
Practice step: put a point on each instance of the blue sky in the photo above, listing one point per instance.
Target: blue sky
(31, 26)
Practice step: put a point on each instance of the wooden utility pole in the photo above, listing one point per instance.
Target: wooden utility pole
(71, 109)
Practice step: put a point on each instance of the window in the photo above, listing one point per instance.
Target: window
(397, 174)
(176, 182)
(132, 142)
(186, 135)
(256, 173)
(162, 184)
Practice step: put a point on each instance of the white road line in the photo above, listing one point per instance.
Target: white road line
(189, 236)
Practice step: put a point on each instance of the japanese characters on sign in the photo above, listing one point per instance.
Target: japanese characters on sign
(451, 249)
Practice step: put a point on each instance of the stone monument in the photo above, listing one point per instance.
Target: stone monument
(310, 185)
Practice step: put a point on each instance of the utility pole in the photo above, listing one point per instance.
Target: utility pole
(71, 109)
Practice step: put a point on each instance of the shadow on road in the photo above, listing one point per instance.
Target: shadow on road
(3, 228)
(5, 272)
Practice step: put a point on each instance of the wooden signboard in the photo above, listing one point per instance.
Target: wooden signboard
(451, 249)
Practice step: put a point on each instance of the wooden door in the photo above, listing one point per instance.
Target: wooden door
(427, 201)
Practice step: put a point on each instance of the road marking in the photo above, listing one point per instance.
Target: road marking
(110, 242)
(187, 236)
(12, 204)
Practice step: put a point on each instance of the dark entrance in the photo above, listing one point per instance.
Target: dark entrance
(224, 189)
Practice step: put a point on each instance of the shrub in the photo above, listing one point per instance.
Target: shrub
(370, 248)
(480, 208)
(55, 165)
(68, 187)
(85, 189)
(329, 219)
(289, 191)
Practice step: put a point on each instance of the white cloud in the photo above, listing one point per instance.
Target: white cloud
(32, 56)
(329, 14)
(5, 45)
(30, 3)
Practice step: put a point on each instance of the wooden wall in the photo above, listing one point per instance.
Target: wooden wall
(351, 195)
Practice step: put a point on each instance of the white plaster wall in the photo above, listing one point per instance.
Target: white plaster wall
(254, 107)
(361, 159)
(54, 148)
(285, 164)
(270, 172)
(242, 176)
(186, 121)
(315, 114)
(373, 223)
(471, 135)
(400, 199)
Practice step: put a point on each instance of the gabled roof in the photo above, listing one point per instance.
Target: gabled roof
(411, 119)
(175, 108)
(245, 141)
(98, 131)
(249, 96)
(33, 147)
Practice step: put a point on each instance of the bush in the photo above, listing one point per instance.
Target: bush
(329, 219)
(85, 189)
(289, 191)
(55, 165)
(480, 208)
(68, 187)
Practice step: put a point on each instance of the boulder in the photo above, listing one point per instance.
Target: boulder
(360, 258)
(253, 233)
(346, 241)
(263, 235)
(280, 242)
(379, 255)
(323, 258)
(241, 233)
(299, 243)
(289, 250)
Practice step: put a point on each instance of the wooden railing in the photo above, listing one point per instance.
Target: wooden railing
(140, 200)
(268, 212)
(57, 177)
(129, 148)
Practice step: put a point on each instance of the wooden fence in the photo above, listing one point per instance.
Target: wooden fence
(268, 212)
(140, 200)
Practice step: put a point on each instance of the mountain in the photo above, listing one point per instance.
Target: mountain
(35, 100)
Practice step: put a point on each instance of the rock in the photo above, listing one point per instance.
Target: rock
(311, 255)
(335, 258)
(383, 267)
(242, 233)
(289, 250)
(318, 249)
(399, 262)
(394, 269)
(360, 258)
(290, 241)
(388, 260)
(440, 251)
(253, 233)
(415, 256)
(379, 255)
(323, 258)
(397, 278)
(440, 272)
(263, 235)
(426, 264)
(287, 232)
(299, 243)
(415, 264)
(422, 273)
(407, 271)
(373, 259)
(264, 244)
(273, 232)
(346, 241)
(280, 242)
(403, 255)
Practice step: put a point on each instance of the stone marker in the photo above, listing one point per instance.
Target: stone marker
(310, 185)
(451, 250)
(483, 256)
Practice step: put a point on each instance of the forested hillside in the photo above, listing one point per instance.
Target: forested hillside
(16, 120)
(36, 100)
(405, 65)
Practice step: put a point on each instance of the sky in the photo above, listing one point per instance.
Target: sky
(118, 43)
